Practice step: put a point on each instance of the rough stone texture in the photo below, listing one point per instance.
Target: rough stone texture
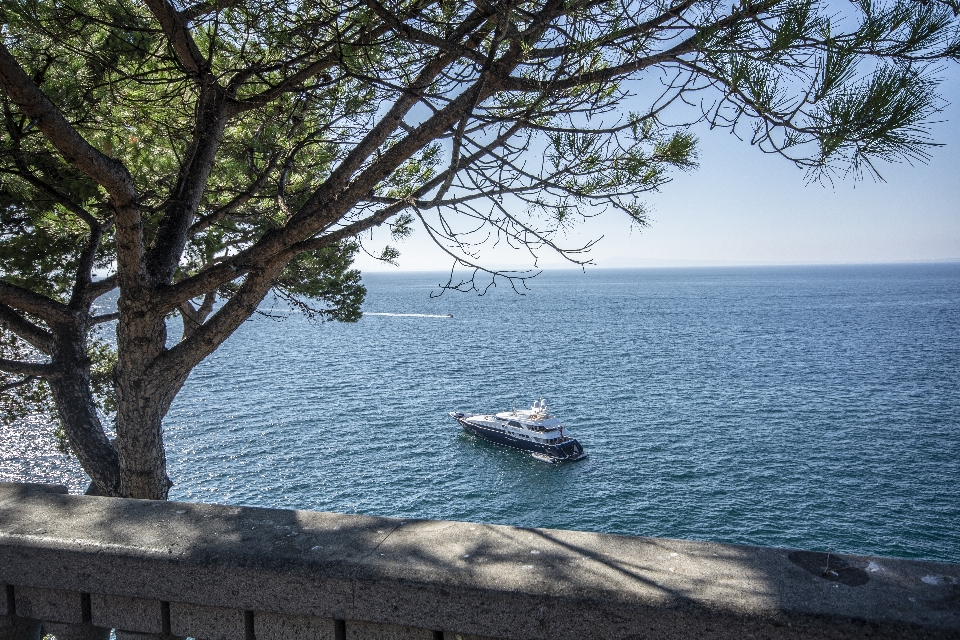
(273, 626)
(371, 631)
(127, 614)
(15, 489)
(85, 631)
(16, 628)
(461, 578)
(133, 635)
(209, 623)
(49, 605)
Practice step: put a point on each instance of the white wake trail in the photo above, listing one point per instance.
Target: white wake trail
(408, 315)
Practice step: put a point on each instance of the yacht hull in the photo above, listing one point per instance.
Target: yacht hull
(568, 451)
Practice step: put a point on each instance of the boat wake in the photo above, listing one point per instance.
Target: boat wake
(408, 315)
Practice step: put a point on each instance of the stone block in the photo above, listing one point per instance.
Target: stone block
(85, 631)
(471, 580)
(49, 605)
(127, 614)
(275, 626)
(133, 635)
(208, 623)
(15, 490)
(17, 628)
(375, 631)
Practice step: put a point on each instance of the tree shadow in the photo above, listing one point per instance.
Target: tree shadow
(468, 578)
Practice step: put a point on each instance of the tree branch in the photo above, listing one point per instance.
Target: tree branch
(204, 222)
(689, 45)
(348, 231)
(79, 299)
(173, 231)
(201, 9)
(19, 383)
(36, 336)
(174, 28)
(48, 310)
(417, 35)
(35, 369)
(77, 152)
(204, 340)
(109, 173)
(338, 193)
(106, 317)
(313, 69)
(289, 84)
(54, 194)
(101, 287)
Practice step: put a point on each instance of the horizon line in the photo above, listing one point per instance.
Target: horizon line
(669, 263)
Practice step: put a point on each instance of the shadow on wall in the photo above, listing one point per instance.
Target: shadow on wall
(452, 577)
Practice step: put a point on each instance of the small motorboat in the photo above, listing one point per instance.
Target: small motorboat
(534, 430)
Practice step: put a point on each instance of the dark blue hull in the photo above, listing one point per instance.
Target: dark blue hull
(570, 449)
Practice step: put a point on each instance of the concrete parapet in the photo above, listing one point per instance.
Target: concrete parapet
(275, 626)
(137, 615)
(52, 605)
(156, 569)
(16, 628)
(209, 623)
(84, 631)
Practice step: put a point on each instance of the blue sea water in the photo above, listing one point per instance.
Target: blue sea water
(809, 407)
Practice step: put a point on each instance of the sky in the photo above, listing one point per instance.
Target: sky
(742, 207)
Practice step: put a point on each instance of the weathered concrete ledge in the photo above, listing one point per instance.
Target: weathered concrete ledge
(237, 573)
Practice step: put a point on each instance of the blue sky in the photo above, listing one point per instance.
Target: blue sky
(742, 207)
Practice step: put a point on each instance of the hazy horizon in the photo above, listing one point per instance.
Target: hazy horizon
(615, 263)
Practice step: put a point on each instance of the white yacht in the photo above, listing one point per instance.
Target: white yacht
(532, 429)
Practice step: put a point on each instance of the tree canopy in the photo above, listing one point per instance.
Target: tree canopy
(195, 156)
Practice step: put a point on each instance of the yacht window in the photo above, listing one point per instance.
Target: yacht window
(514, 423)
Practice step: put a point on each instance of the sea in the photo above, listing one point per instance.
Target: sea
(813, 407)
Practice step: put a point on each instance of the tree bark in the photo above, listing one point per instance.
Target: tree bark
(143, 461)
(141, 402)
(70, 385)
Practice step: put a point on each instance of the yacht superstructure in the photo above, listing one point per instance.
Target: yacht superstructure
(532, 429)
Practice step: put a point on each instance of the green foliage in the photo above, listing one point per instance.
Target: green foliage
(325, 277)
(38, 251)
(593, 166)
(402, 226)
(884, 115)
(413, 173)
(105, 67)
(834, 88)
(103, 359)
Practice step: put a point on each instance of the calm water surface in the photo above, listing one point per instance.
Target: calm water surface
(812, 407)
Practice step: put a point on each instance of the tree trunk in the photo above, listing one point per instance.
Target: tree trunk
(143, 461)
(77, 410)
(143, 398)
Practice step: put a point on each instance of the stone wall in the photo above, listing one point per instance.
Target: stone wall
(82, 565)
